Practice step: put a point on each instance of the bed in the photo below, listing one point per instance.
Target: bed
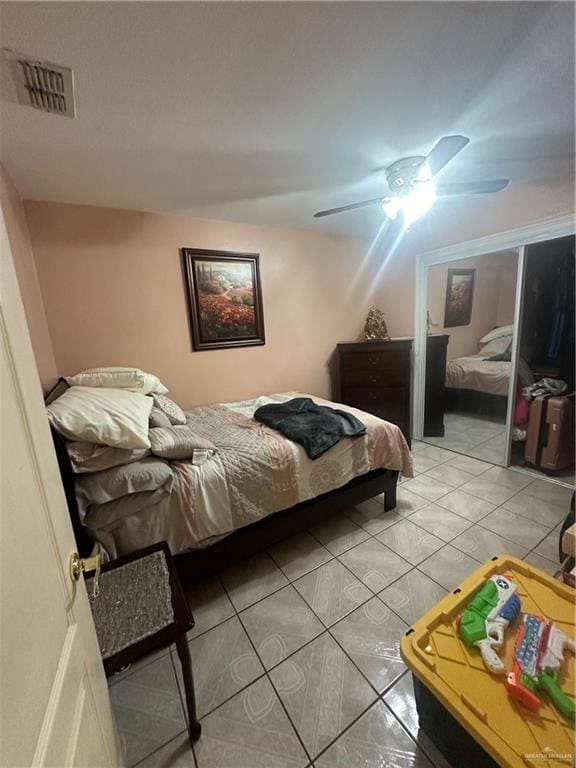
(258, 487)
(476, 373)
(479, 383)
(476, 385)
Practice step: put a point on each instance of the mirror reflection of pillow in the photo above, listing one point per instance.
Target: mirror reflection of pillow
(496, 333)
(178, 442)
(497, 346)
(503, 357)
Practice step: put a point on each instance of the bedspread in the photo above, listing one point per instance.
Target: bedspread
(255, 472)
(473, 372)
(489, 376)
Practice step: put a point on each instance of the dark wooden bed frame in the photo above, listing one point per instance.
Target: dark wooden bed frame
(199, 563)
(471, 401)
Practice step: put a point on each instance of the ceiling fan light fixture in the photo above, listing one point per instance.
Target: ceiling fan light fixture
(411, 188)
(418, 202)
(392, 206)
(413, 206)
(424, 173)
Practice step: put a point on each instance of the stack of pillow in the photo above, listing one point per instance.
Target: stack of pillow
(496, 346)
(116, 416)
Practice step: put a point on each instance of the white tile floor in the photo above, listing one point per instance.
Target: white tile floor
(481, 437)
(296, 651)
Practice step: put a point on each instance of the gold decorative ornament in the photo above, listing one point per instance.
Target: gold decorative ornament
(429, 323)
(375, 326)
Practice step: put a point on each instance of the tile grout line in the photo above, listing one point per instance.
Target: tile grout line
(325, 630)
(374, 594)
(395, 580)
(331, 744)
(173, 738)
(360, 605)
(405, 729)
(184, 712)
(356, 607)
(337, 557)
(314, 568)
(529, 550)
(124, 674)
(266, 674)
(379, 699)
(496, 506)
(328, 630)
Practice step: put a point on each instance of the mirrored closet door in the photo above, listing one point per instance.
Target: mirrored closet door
(542, 435)
(495, 349)
(470, 329)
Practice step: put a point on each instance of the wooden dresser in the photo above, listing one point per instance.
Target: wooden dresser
(375, 377)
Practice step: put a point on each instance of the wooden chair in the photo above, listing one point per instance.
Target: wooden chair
(141, 608)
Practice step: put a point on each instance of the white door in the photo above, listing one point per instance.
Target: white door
(54, 704)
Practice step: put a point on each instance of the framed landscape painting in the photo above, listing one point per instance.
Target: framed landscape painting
(224, 297)
(459, 296)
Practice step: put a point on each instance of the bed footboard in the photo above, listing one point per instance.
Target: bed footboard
(198, 564)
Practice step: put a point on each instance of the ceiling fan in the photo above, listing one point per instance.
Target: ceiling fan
(411, 189)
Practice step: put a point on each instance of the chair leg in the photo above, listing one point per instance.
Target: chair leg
(194, 727)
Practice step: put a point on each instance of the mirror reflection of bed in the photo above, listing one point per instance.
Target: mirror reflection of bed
(470, 321)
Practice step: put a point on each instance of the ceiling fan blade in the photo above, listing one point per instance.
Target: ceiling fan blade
(447, 148)
(350, 207)
(471, 187)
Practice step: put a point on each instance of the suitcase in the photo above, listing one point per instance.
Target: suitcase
(550, 433)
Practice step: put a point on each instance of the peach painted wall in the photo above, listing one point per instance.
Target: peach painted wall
(114, 295)
(452, 222)
(25, 267)
(492, 304)
(507, 291)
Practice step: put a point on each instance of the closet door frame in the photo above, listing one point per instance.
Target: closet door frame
(513, 239)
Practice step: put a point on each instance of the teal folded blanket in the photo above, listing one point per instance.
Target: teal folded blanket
(317, 428)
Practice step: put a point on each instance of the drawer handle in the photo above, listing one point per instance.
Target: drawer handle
(374, 379)
(374, 397)
(373, 361)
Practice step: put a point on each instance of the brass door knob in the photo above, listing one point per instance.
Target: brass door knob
(80, 565)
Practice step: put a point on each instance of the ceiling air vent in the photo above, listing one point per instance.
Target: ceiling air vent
(43, 85)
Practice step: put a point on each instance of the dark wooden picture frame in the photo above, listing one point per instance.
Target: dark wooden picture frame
(224, 298)
(459, 297)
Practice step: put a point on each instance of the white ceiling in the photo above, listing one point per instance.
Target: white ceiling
(267, 112)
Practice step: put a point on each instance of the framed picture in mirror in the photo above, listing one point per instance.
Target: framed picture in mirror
(459, 297)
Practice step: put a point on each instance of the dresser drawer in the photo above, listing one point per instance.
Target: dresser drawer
(391, 368)
(389, 403)
(365, 360)
(375, 378)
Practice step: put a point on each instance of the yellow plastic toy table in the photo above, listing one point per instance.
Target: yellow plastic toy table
(477, 699)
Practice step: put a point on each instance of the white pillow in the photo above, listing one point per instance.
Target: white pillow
(173, 411)
(91, 457)
(496, 346)
(504, 330)
(119, 378)
(113, 417)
